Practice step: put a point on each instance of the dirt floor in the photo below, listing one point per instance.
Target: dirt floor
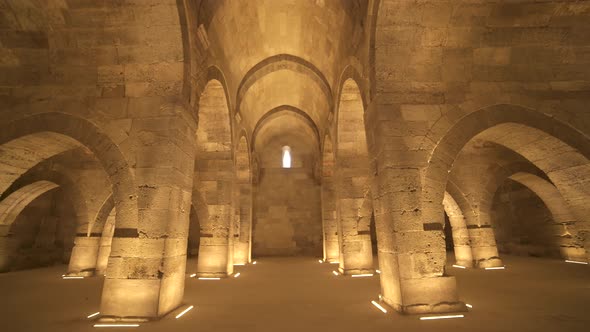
(300, 294)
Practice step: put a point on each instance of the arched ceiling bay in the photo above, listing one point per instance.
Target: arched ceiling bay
(282, 52)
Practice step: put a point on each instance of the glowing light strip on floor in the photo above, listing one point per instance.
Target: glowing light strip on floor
(204, 278)
(239, 264)
(185, 311)
(72, 277)
(468, 305)
(441, 317)
(576, 262)
(237, 275)
(116, 325)
(362, 275)
(321, 261)
(94, 314)
(378, 271)
(254, 262)
(193, 275)
(379, 307)
(459, 266)
(335, 273)
(334, 262)
(496, 268)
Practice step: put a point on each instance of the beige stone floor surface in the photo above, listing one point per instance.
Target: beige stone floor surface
(299, 294)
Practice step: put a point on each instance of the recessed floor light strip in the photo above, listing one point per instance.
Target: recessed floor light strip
(335, 273)
(334, 262)
(496, 268)
(193, 275)
(204, 278)
(185, 311)
(576, 262)
(93, 315)
(362, 275)
(378, 306)
(321, 261)
(66, 277)
(378, 271)
(237, 275)
(254, 262)
(441, 317)
(468, 305)
(459, 266)
(116, 325)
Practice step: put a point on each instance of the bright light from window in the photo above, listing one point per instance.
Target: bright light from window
(286, 157)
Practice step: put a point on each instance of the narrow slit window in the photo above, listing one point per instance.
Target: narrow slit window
(286, 157)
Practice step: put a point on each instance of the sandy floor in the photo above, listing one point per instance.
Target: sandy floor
(299, 294)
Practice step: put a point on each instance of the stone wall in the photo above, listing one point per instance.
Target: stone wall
(287, 213)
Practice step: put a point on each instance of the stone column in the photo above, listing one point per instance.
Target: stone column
(483, 246)
(215, 256)
(84, 256)
(356, 255)
(104, 249)
(330, 224)
(8, 247)
(146, 270)
(242, 247)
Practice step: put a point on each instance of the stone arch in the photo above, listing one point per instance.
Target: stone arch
(243, 190)
(61, 132)
(353, 181)
(214, 176)
(13, 204)
(556, 148)
(282, 61)
(330, 226)
(282, 110)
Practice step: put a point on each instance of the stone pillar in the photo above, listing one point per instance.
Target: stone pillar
(242, 245)
(8, 247)
(84, 256)
(146, 270)
(356, 256)
(104, 249)
(483, 246)
(215, 256)
(330, 224)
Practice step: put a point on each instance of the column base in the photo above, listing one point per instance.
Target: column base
(482, 263)
(428, 296)
(213, 274)
(353, 271)
(87, 273)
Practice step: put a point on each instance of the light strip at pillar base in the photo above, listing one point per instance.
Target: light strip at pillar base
(459, 266)
(116, 325)
(321, 261)
(576, 262)
(184, 311)
(378, 306)
(72, 277)
(193, 275)
(254, 262)
(237, 275)
(335, 273)
(362, 275)
(496, 268)
(334, 262)
(378, 271)
(205, 278)
(468, 305)
(441, 317)
(93, 315)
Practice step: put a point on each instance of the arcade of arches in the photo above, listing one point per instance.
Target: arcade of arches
(151, 146)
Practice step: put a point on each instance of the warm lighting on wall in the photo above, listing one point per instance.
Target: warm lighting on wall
(576, 262)
(116, 325)
(378, 306)
(93, 315)
(185, 311)
(496, 268)
(237, 275)
(204, 278)
(286, 157)
(459, 266)
(362, 275)
(441, 317)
